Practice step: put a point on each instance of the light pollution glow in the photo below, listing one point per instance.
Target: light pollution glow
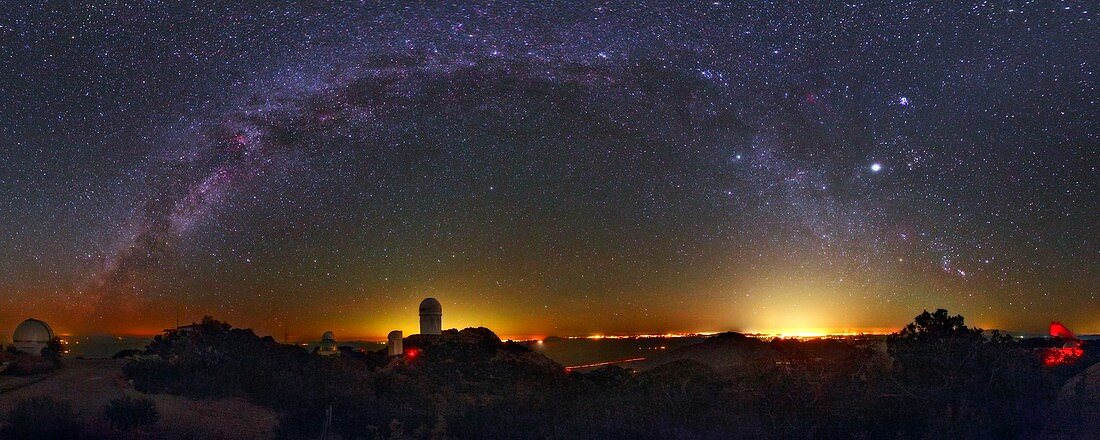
(374, 326)
(795, 311)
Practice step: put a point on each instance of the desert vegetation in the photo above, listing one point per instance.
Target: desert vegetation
(937, 378)
(16, 363)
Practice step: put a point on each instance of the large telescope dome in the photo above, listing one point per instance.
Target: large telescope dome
(430, 306)
(32, 336)
(431, 317)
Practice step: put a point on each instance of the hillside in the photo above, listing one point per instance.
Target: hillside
(732, 352)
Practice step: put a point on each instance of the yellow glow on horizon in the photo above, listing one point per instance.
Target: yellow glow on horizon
(798, 332)
(817, 332)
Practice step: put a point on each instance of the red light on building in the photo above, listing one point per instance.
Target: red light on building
(1058, 330)
(1069, 353)
(411, 353)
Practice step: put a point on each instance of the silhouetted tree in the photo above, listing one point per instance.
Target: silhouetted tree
(52, 352)
(956, 382)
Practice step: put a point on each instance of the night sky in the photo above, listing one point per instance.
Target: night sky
(565, 168)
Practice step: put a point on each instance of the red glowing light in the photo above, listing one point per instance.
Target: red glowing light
(1053, 357)
(411, 353)
(1060, 331)
(1069, 353)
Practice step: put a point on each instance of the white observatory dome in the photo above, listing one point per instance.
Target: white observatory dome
(33, 330)
(431, 317)
(430, 306)
(395, 343)
(32, 336)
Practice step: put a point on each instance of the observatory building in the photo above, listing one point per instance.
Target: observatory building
(431, 317)
(328, 344)
(395, 343)
(32, 336)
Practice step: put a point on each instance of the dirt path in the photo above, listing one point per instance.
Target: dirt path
(91, 384)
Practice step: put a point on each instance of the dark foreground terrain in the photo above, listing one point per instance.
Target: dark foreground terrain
(88, 386)
(935, 379)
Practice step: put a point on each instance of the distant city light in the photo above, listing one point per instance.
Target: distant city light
(646, 336)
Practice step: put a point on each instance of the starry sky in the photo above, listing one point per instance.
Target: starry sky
(555, 168)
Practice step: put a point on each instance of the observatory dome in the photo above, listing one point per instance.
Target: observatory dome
(328, 344)
(395, 343)
(431, 317)
(32, 336)
(430, 306)
(33, 330)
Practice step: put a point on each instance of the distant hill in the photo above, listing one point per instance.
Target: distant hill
(733, 351)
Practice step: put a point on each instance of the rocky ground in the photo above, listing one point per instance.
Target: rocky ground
(91, 384)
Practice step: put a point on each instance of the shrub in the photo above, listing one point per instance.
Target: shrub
(128, 412)
(41, 418)
(123, 354)
(52, 352)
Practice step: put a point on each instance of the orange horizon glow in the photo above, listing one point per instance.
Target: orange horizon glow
(371, 322)
(760, 333)
(780, 332)
(802, 306)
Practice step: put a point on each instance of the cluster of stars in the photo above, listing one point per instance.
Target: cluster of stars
(729, 157)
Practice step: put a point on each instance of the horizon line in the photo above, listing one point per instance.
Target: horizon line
(782, 333)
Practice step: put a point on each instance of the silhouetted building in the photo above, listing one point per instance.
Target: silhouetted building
(32, 336)
(431, 317)
(395, 343)
(328, 344)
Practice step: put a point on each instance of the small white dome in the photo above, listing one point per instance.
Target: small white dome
(33, 331)
(395, 343)
(431, 306)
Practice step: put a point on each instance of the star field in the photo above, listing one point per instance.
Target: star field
(556, 168)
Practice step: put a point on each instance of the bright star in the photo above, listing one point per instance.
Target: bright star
(876, 167)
